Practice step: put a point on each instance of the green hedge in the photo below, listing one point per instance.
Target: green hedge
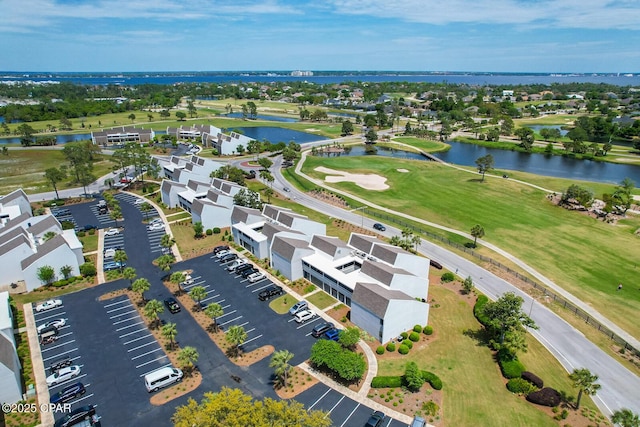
(478, 309)
(380, 350)
(414, 336)
(520, 386)
(432, 379)
(417, 328)
(386, 382)
(408, 343)
(447, 277)
(391, 347)
(511, 368)
(403, 349)
(404, 335)
(428, 330)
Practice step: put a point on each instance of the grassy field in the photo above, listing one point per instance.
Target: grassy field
(585, 256)
(25, 169)
(321, 300)
(422, 144)
(474, 390)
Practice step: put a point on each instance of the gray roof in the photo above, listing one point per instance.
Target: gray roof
(12, 234)
(167, 185)
(273, 211)
(7, 353)
(287, 218)
(375, 298)
(382, 272)
(387, 253)
(44, 249)
(14, 195)
(271, 228)
(286, 246)
(328, 245)
(45, 224)
(14, 243)
(15, 221)
(362, 242)
(242, 213)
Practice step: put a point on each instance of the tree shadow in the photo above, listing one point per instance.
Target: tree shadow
(480, 336)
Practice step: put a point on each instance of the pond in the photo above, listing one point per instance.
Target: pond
(538, 128)
(60, 139)
(276, 134)
(360, 150)
(263, 117)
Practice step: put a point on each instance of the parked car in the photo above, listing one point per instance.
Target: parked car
(68, 393)
(376, 419)
(112, 232)
(321, 329)
(255, 277)
(303, 316)
(299, 306)
(172, 305)
(113, 265)
(332, 334)
(418, 422)
(155, 227)
(57, 323)
(222, 253)
(228, 258)
(167, 251)
(48, 305)
(156, 221)
(241, 268)
(60, 363)
(237, 263)
(139, 202)
(48, 335)
(269, 292)
(248, 272)
(379, 227)
(220, 248)
(109, 253)
(77, 416)
(63, 375)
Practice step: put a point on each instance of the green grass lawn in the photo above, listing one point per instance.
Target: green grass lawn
(422, 144)
(89, 242)
(282, 304)
(474, 390)
(585, 256)
(321, 300)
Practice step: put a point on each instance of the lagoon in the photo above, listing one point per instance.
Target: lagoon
(276, 134)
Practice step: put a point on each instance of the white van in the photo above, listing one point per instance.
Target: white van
(162, 378)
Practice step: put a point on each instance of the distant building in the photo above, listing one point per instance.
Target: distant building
(122, 135)
(225, 144)
(299, 73)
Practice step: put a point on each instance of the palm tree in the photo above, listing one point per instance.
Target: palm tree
(141, 286)
(129, 273)
(164, 262)
(166, 241)
(169, 331)
(153, 309)
(146, 207)
(625, 418)
(198, 293)
(477, 231)
(236, 335)
(187, 357)
(120, 257)
(214, 310)
(280, 362)
(116, 212)
(66, 271)
(585, 382)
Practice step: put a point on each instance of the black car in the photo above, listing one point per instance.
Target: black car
(228, 258)
(321, 329)
(379, 227)
(68, 393)
(172, 305)
(220, 249)
(248, 272)
(77, 416)
(241, 268)
(269, 292)
(375, 419)
(60, 363)
(90, 227)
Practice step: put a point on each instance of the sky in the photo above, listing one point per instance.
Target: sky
(547, 36)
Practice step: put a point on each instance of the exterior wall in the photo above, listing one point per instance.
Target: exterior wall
(401, 316)
(259, 249)
(213, 216)
(170, 197)
(57, 258)
(367, 321)
(10, 262)
(327, 283)
(413, 286)
(10, 388)
(283, 265)
(309, 227)
(413, 264)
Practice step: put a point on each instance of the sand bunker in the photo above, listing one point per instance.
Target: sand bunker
(403, 170)
(366, 181)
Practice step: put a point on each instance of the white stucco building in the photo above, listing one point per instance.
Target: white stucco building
(10, 378)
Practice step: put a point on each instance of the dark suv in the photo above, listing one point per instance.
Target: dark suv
(239, 269)
(379, 227)
(269, 292)
(248, 272)
(77, 416)
(321, 329)
(68, 393)
(172, 305)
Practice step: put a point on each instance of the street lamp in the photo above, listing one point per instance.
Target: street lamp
(361, 209)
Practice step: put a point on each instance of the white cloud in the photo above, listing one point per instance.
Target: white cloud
(588, 14)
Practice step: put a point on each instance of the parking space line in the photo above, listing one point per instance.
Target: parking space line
(131, 333)
(229, 321)
(389, 423)
(147, 373)
(118, 309)
(334, 406)
(69, 381)
(252, 339)
(145, 354)
(226, 314)
(65, 335)
(116, 303)
(319, 399)
(126, 320)
(57, 346)
(130, 326)
(250, 330)
(122, 314)
(259, 289)
(136, 339)
(55, 316)
(151, 361)
(61, 354)
(354, 410)
(143, 345)
(82, 398)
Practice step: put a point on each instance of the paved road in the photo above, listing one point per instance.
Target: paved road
(620, 386)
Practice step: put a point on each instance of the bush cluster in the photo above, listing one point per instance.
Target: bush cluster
(386, 382)
(511, 368)
(417, 328)
(64, 282)
(533, 379)
(380, 350)
(447, 277)
(478, 310)
(209, 232)
(414, 336)
(403, 349)
(404, 335)
(346, 364)
(546, 397)
(428, 330)
(432, 379)
(216, 230)
(520, 386)
(88, 269)
(408, 343)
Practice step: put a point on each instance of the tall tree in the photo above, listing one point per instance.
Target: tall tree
(46, 274)
(506, 323)
(188, 356)
(484, 164)
(198, 293)
(164, 262)
(265, 162)
(54, 176)
(623, 194)
(347, 127)
(214, 310)
(153, 309)
(280, 363)
(235, 336)
(130, 274)
(477, 231)
(66, 271)
(121, 257)
(625, 418)
(169, 331)
(141, 286)
(585, 382)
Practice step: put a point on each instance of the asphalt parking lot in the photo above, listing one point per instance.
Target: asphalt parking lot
(115, 350)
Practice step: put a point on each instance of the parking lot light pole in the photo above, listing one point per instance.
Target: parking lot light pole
(361, 209)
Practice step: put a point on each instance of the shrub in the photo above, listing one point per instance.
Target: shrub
(511, 368)
(432, 379)
(403, 349)
(209, 232)
(414, 336)
(404, 335)
(447, 277)
(478, 310)
(413, 377)
(520, 386)
(533, 379)
(386, 382)
(380, 350)
(408, 343)
(391, 347)
(428, 330)
(81, 234)
(63, 282)
(417, 328)
(546, 397)
(92, 232)
(88, 269)
(216, 230)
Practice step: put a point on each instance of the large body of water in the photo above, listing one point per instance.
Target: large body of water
(132, 79)
(275, 134)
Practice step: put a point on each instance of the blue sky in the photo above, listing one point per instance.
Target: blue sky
(414, 35)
